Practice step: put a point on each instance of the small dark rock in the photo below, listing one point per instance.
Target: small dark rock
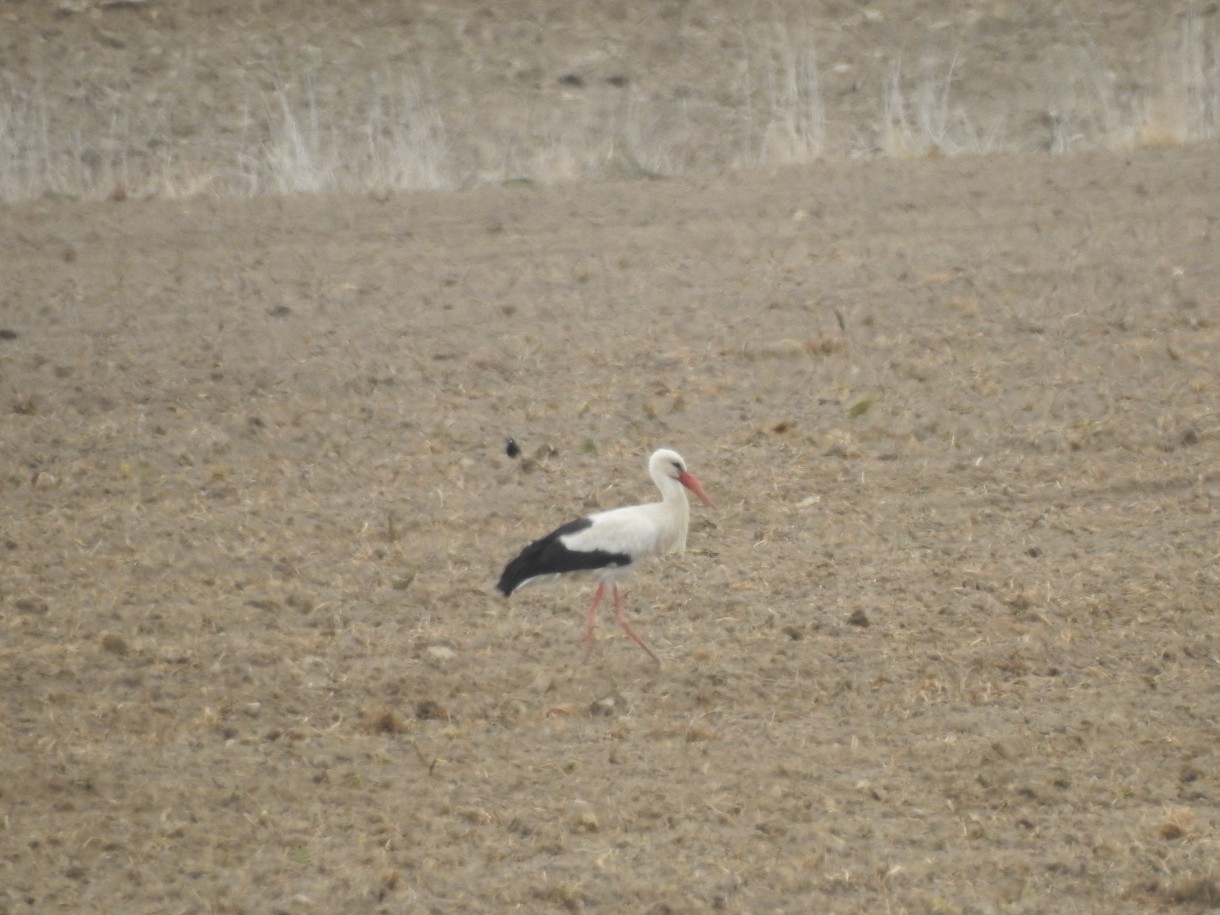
(428, 710)
(116, 644)
(381, 721)
(32, 606)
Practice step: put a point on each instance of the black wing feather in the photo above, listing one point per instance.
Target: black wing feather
(549, 556)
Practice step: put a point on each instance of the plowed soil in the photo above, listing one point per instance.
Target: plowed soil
(947, 641)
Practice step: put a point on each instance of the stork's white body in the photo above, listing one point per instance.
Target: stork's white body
(640, 531)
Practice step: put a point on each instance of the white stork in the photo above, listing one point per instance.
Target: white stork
(606, 545)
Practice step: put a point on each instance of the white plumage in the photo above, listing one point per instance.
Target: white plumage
(608, 544)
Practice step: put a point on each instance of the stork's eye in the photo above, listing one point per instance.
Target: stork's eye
(678, 467)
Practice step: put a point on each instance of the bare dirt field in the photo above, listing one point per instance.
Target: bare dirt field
(947, 642)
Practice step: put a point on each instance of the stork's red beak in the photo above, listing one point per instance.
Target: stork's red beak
(688, 480)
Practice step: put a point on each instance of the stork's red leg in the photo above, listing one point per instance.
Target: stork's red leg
(591, 618)
(626, 626)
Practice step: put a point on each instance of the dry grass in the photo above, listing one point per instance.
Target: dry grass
(930, 124)
(773, 109)
(1178, 103)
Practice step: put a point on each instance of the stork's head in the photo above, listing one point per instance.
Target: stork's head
(667, 463)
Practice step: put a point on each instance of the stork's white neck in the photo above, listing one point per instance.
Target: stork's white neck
(676, 508)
